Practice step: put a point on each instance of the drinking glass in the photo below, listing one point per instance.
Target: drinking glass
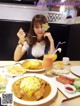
(65, 60)
(47, 62)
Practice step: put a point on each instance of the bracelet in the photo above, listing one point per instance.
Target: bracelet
(25, 46)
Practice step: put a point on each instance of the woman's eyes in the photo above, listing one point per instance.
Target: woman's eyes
(38, 27)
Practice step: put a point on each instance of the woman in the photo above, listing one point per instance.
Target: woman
(37, 42)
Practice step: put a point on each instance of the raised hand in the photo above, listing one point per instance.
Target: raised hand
(21, 35)
(48, 35)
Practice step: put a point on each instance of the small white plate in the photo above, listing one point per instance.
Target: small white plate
(59, 72)
(75, 70)
(69, 88)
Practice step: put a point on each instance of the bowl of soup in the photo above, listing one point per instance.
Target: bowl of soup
(32, 89)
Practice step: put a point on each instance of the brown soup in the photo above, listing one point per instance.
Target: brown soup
(16, 90)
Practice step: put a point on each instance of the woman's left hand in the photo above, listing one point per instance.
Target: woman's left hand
(49, 36)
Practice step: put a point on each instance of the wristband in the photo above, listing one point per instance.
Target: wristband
(25, 46)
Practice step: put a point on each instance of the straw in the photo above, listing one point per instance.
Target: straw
(59, 50)
(60, 43)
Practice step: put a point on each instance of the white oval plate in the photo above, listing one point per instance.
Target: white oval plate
(42, 101)
(10, 74)
(32, 70)
(75, 70)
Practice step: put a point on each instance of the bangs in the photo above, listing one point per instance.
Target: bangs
(37, 22)
(39, 19)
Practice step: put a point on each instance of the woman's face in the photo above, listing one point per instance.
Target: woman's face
(39, 31)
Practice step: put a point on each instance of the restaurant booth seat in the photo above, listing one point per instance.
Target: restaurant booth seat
(73, 49)
(9, 39)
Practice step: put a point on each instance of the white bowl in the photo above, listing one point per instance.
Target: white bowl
(69, 88)
(42, 101)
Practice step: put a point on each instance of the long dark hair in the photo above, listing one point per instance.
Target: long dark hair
(36, 19)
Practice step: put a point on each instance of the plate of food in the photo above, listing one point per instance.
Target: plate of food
(14, 70)
(32, 89)
(60, 71)
(58, 68)
(3, 83)
(75, 70)
(68, 85)
(32, 65)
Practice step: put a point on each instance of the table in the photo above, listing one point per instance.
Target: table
(57, 101)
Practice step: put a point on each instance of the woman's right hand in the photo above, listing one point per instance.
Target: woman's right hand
(49, 36)
(21, 35)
